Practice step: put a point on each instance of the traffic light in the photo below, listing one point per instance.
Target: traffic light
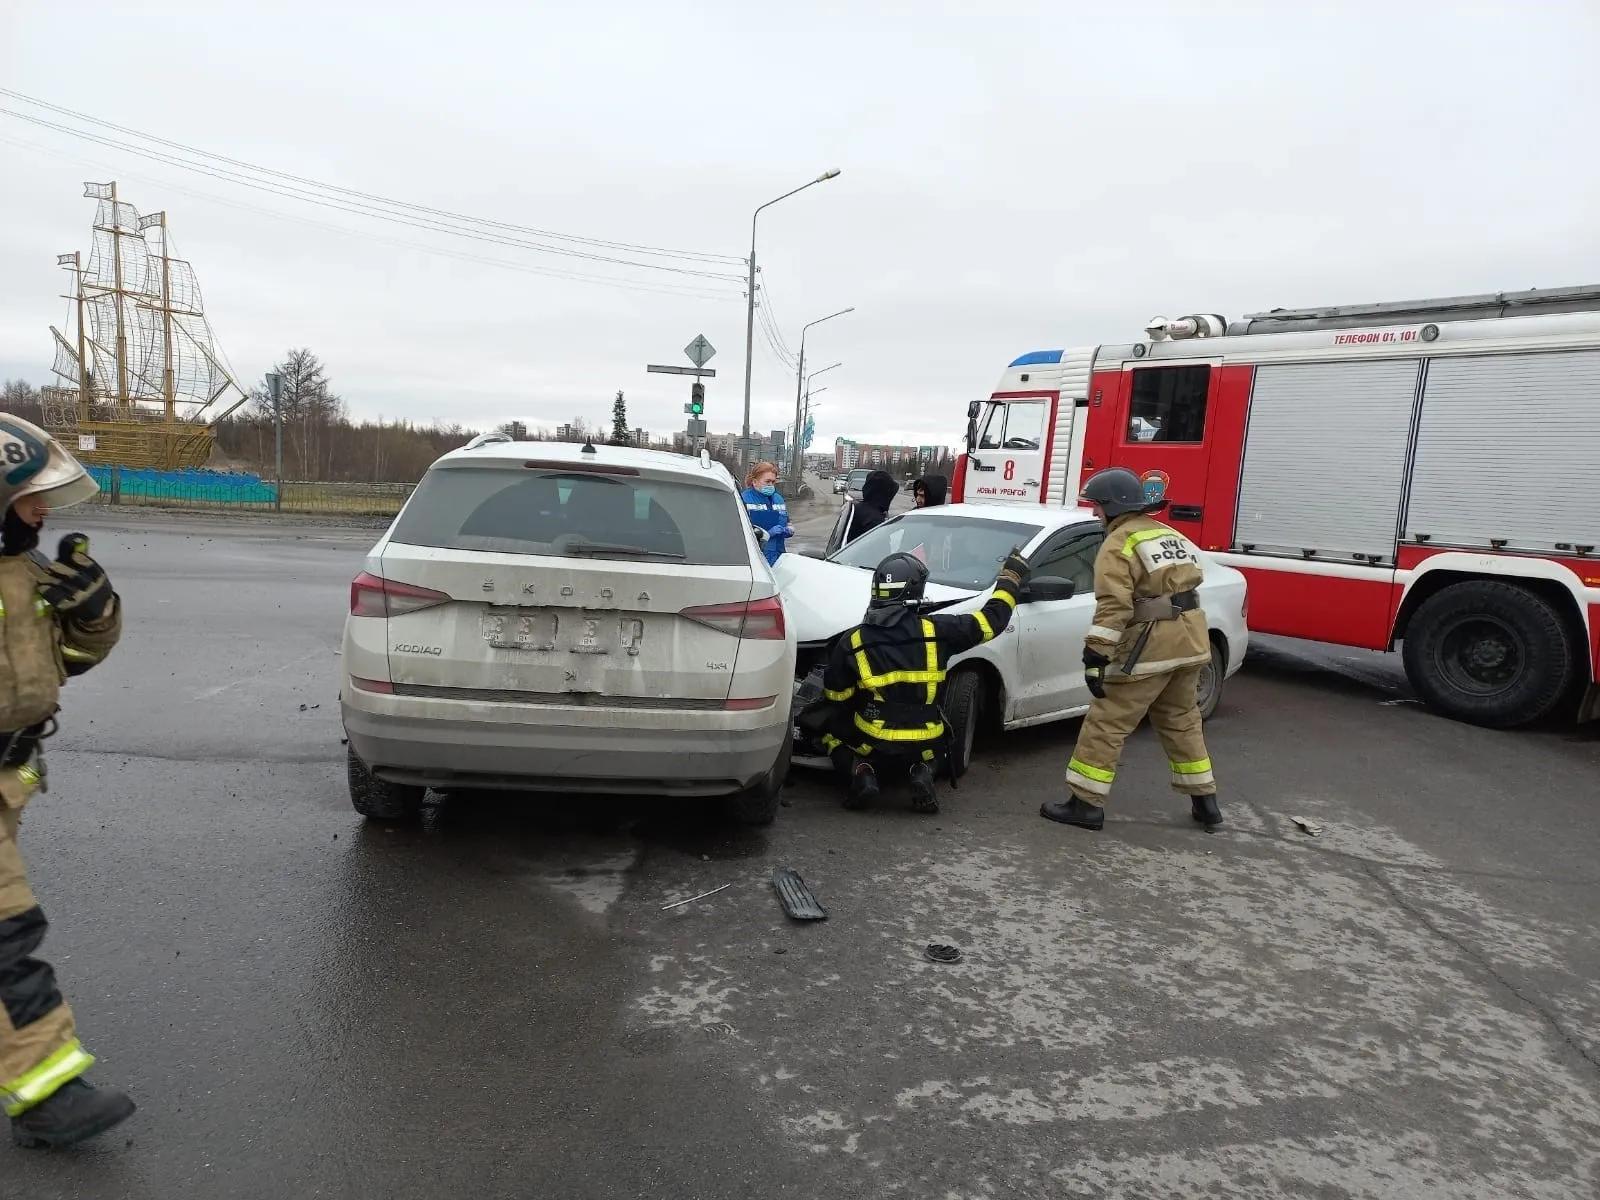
(697, 398)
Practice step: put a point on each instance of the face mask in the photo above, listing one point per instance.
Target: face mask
(768, 489)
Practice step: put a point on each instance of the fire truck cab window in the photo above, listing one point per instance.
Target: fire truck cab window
(1015, 426)
(1169, 404)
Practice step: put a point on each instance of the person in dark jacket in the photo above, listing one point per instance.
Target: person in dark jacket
(884, 679)
(877, 494)
(930, 490)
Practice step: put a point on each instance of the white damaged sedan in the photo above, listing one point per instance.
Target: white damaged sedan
(1030, 674)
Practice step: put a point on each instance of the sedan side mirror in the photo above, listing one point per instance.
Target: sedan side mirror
(1048, 587)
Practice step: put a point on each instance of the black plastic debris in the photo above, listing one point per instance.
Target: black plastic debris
(939, 953)
(797, 899)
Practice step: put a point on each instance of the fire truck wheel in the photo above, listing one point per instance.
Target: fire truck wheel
(1490, 653)
(963, 707)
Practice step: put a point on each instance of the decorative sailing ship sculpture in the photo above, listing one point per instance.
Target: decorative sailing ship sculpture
(147, 382)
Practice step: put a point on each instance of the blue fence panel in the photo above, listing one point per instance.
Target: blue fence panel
(195, 486)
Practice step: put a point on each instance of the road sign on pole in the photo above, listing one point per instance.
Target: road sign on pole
(703, 372)
(700, 351)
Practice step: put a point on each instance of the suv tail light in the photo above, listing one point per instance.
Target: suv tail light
(759, 619)
(371, 596)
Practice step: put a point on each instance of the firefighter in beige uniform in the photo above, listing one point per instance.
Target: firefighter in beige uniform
(59, 619)
(1143, 655)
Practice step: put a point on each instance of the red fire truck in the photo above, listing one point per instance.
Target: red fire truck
(1417, 473)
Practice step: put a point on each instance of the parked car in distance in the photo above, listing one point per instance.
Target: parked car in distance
(547, 617)
(1030, 674)
(850, 483)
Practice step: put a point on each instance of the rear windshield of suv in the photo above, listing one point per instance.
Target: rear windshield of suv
(517, 510)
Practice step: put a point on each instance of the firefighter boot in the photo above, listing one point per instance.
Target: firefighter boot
(863, 787)
(923, 798)
(1074, 812)
(1204, 809)
(74, 1112)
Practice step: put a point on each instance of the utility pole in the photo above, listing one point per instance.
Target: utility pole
(275, 391)
(750, 293)
(800, 380)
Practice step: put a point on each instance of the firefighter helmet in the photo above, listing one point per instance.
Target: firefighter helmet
(1117, 490)
(899, 581)
(32, 463)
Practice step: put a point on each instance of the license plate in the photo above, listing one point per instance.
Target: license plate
(519, 629)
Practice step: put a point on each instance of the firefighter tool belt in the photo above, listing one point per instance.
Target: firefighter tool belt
(1165, 608)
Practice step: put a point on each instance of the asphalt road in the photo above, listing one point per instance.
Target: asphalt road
(495, 1004)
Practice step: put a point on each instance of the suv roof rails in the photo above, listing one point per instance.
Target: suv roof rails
(484, 439)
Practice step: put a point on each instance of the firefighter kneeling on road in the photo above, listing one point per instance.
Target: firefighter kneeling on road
(57, 620)
(1143, 655)
(883, 682)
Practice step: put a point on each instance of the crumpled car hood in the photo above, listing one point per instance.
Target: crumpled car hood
(822, 599)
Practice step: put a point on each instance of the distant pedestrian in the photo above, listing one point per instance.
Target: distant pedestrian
(766, 509)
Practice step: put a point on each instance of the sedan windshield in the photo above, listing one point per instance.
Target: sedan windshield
(961, 552)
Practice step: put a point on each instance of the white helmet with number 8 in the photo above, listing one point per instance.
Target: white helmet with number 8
(32, 463)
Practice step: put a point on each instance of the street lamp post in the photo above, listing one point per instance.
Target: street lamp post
(800, 373)
(750, 290)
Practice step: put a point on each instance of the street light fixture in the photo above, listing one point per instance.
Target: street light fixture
(750, 290)
(800, 377)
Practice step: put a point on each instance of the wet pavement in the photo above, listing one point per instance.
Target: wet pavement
(495, 1003)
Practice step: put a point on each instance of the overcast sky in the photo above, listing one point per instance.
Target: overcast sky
(1014, 177)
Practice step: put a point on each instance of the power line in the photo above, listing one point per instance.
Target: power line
(353, 193)
(659, 288)
(773, 339)
(777, 327)
(295, 193)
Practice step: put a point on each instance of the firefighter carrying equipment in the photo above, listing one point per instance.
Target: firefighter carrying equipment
(884, 679)
(1149, 644)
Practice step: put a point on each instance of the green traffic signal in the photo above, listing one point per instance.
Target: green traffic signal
(697, 399)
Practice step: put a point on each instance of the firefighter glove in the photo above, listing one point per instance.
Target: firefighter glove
(1015, 570)
(78, 586)
(1094, 665)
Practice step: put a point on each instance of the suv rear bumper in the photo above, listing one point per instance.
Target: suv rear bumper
(444, 753)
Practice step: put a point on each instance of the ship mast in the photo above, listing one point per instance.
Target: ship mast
(169, 385)
(83, 338)
(117, 301)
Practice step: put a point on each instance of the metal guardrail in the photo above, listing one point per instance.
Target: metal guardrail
(217, 491)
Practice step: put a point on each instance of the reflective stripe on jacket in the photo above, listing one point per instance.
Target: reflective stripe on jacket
(888, 679)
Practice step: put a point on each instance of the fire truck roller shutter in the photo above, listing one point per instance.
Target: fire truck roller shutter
(1501, 439)
(1324, 459)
